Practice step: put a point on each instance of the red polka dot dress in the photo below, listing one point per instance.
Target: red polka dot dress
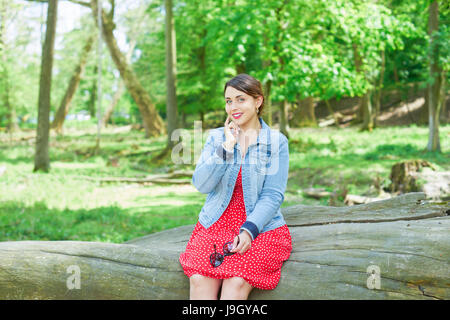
(260, 266)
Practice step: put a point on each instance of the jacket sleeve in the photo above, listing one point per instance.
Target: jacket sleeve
(212, 164)
(272, 193)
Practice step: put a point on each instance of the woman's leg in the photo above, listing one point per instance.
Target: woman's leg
(235, 288)
(204, 288)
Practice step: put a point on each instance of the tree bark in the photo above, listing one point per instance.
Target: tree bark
(284, 125)
(304, 115)
(436, 74)
(357, 60)
(64, 106)
(240, 68)
(11, 115)
(41, 157)
(380, 88)
(93, 92)
(120, 90)
(367, 111)
(152, 122)
(202, 70)
(267, 110)
(171, 71)
(334, 248)
(109, 110)
(332, 113)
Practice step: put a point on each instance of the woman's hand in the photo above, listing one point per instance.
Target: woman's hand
(242, 242)
(231, 133)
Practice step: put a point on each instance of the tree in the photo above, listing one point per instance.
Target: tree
(120, 89)
(153, 123)
(41, 158)
(64, 106)
(171, 70)
(436, 87)
(5, 12)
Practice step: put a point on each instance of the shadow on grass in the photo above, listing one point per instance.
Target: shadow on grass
(406, 151)
(104, 224)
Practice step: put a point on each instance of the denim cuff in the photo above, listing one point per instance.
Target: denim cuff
(251, 228)
(223, 153)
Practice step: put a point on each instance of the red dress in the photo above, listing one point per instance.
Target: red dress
(260, 266)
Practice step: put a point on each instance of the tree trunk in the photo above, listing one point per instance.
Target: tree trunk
(183, 119)
(41, 157)
(202, 119)
(11, 115)
(284, 125)
(332, 113)
(267, 85)
(171, 71)
(335, 250)
(267, 111)
(120, 89)
(93, 92)
(64, 106)
(445, 115)
(436, 74)
(202, 71)
(304, 116)
(358, 67)
(152, 122)
(368, 115)
(117, 95)
(240, 68)
(379, 89)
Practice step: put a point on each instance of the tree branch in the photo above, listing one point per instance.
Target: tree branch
(82, 3)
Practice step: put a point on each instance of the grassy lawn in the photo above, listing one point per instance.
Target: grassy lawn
(346, 158)
(64, 205)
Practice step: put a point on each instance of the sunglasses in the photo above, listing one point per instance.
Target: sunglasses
(216, 258)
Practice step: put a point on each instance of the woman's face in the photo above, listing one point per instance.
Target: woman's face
(240, 106)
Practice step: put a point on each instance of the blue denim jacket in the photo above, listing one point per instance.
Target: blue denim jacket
(264, 177)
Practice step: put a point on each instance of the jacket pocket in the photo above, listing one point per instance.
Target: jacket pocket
(261, 163)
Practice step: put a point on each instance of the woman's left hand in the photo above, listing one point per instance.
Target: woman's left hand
(242, 243)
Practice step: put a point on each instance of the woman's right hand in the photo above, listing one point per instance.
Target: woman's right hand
(231, 130)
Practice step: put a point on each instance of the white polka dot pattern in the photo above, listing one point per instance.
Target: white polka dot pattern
(260, 266)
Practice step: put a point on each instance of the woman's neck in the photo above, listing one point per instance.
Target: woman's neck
(250, 126)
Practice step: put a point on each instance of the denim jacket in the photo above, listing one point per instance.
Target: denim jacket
(264, 177)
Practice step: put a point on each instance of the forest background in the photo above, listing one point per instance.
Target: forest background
(89, 103)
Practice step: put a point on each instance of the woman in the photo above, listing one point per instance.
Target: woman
(241, 239)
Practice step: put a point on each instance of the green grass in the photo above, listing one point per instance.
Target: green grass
(335, 159)
(64, 205)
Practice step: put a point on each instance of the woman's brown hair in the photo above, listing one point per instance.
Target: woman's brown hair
(251, 86)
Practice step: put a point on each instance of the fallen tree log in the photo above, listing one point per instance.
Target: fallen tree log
(164, 178)
(404, 240)
(352, 199)
(316, 193)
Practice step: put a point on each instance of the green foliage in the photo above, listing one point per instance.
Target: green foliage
(305, 48)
